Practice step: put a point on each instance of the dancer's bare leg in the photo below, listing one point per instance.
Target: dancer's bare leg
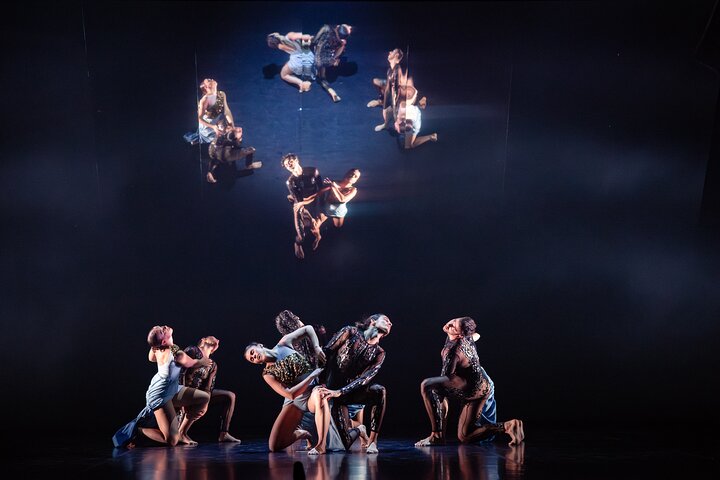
(195, 402)
(287, 75)
(413, 141)
(168, 431)
(386, 119)
(316, 229)
(469, 432)
(319, 407)
(379, 84)
(284, 433)
(338, 221)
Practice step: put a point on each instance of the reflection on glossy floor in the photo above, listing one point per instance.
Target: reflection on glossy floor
(545, 455)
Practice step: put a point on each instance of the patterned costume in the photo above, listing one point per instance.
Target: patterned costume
(351, 365)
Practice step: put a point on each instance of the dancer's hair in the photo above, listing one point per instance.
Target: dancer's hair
(365, 324)
(273, 41)
(343, 31)
(350, 173)
(287, 322)
(467, 326)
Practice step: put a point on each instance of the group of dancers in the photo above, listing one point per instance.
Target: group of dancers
(326, 389)
(310, 56)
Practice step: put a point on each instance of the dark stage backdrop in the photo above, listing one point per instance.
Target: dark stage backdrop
(559, 208)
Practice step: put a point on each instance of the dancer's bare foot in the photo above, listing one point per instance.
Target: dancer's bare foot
(372, 448)
(254, 165)
(316, 451)
(299, 252)
(374, 103)
(226, 437)
(430, 441)
(362, 431)
(335, 97)
(380, 128)
(187, 440)
(210, 178)
(302, 434)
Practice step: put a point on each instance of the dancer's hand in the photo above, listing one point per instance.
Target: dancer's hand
(320, 354)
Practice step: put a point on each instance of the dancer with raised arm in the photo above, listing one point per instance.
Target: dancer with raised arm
(354, 358)
(462, 378)
(332, 202)
(290, 375)
(164, 390)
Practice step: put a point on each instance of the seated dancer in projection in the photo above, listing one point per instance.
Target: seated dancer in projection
(302, 183)
(329, 44)
(333, 201)
(203, 378)
(300, 69)
(354, 358)
(213, 113)
(164, 391)
(290, 375)
(408, 118)
(388, 88)
(463, 378)
(227, 149)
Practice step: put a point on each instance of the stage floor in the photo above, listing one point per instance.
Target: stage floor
(545, 454)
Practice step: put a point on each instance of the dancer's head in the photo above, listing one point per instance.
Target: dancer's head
(235, 134)
(255, 353)
(208, 86)
(378, 321)
(273, 40)
(292, 163)
(352, 176)
(287, 322)
(209, 345)
(460, 327)
(160, 337)
(344, 30)
(395, 55)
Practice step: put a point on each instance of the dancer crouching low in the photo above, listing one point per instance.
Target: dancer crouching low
(462, 378)
(354, 358)
(290, 375)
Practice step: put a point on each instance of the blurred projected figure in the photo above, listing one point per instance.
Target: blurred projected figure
(333, 201)
(300, 69)
(213, 113)
(388, 88)
(303, 183)
(463, 378)
(408, 118)
(226, 149)
(329, 44)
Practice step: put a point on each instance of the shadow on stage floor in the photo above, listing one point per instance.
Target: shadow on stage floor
(546, 454)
